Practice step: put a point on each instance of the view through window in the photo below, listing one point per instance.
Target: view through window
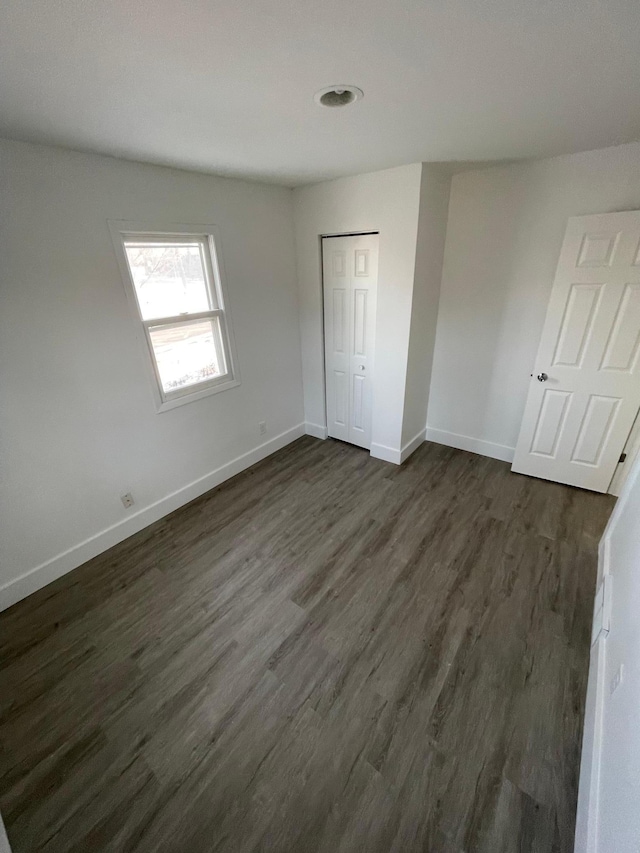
(180, 307)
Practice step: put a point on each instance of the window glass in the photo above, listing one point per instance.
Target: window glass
(169, 278)
(188, 353)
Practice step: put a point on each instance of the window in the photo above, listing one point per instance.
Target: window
(173, 281)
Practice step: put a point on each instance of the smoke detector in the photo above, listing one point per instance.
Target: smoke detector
(338, 96)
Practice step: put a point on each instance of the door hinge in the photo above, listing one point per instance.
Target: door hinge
(623, 456)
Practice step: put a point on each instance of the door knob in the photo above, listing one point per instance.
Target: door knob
(362, 367)
(542, 377)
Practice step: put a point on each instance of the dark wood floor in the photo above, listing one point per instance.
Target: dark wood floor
(327, 653)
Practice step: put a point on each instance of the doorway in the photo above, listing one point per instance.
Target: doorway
(585, 387)
(350, 283)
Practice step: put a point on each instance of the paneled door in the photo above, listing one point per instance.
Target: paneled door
(350, 278)
(585, 387)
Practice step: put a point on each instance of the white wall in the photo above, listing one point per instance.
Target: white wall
(504, 233)
(78, 422)
(432, 225)
(632, 450)
(81, 428)
(608, 815)
(387, 202)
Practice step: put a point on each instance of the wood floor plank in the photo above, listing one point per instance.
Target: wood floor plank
(326, 653)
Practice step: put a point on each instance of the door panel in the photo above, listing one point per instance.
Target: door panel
(339, 263)
(621, 352)
(360, 322)
(358, 403)
(577, 324)
(339, 325)
(361, 266)
(341, 398)
(596, 425)
(597, 250)
(350, 273)
(550, 422)
(576, 421)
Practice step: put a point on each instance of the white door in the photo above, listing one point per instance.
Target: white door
(350, 278)
(585, 387)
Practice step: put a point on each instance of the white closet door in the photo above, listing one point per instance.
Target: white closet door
(585, 389)
(350, 277)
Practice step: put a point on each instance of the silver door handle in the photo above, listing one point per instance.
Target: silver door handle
(362, 367)
(542, 377)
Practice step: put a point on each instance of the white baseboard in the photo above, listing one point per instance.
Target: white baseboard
(316, 430)
(388, 454)
(41, 575)
(474, 445)
(412, 445)
(392, 454)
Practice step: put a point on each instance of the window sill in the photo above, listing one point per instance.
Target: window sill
(183, 399)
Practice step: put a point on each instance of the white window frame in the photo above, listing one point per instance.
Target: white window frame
(208, 237)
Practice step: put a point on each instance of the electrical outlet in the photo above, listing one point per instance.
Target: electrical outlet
(262, 426)
(617, 679)
(127, 500)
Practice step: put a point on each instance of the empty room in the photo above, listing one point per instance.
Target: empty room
(319, 426)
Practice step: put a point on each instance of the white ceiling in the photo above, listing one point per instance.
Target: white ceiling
(228, 86)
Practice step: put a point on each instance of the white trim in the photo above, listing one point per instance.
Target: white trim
(397, 457)
(204, 390)
(589, 787)
(473, 445)
(623, 470)
(618, 509)
(41, 575)
(388, 454)
(412, 445)
(586, 840)
(586, 835)
(316, 430)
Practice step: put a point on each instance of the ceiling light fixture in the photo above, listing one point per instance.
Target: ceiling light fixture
(338, 96)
